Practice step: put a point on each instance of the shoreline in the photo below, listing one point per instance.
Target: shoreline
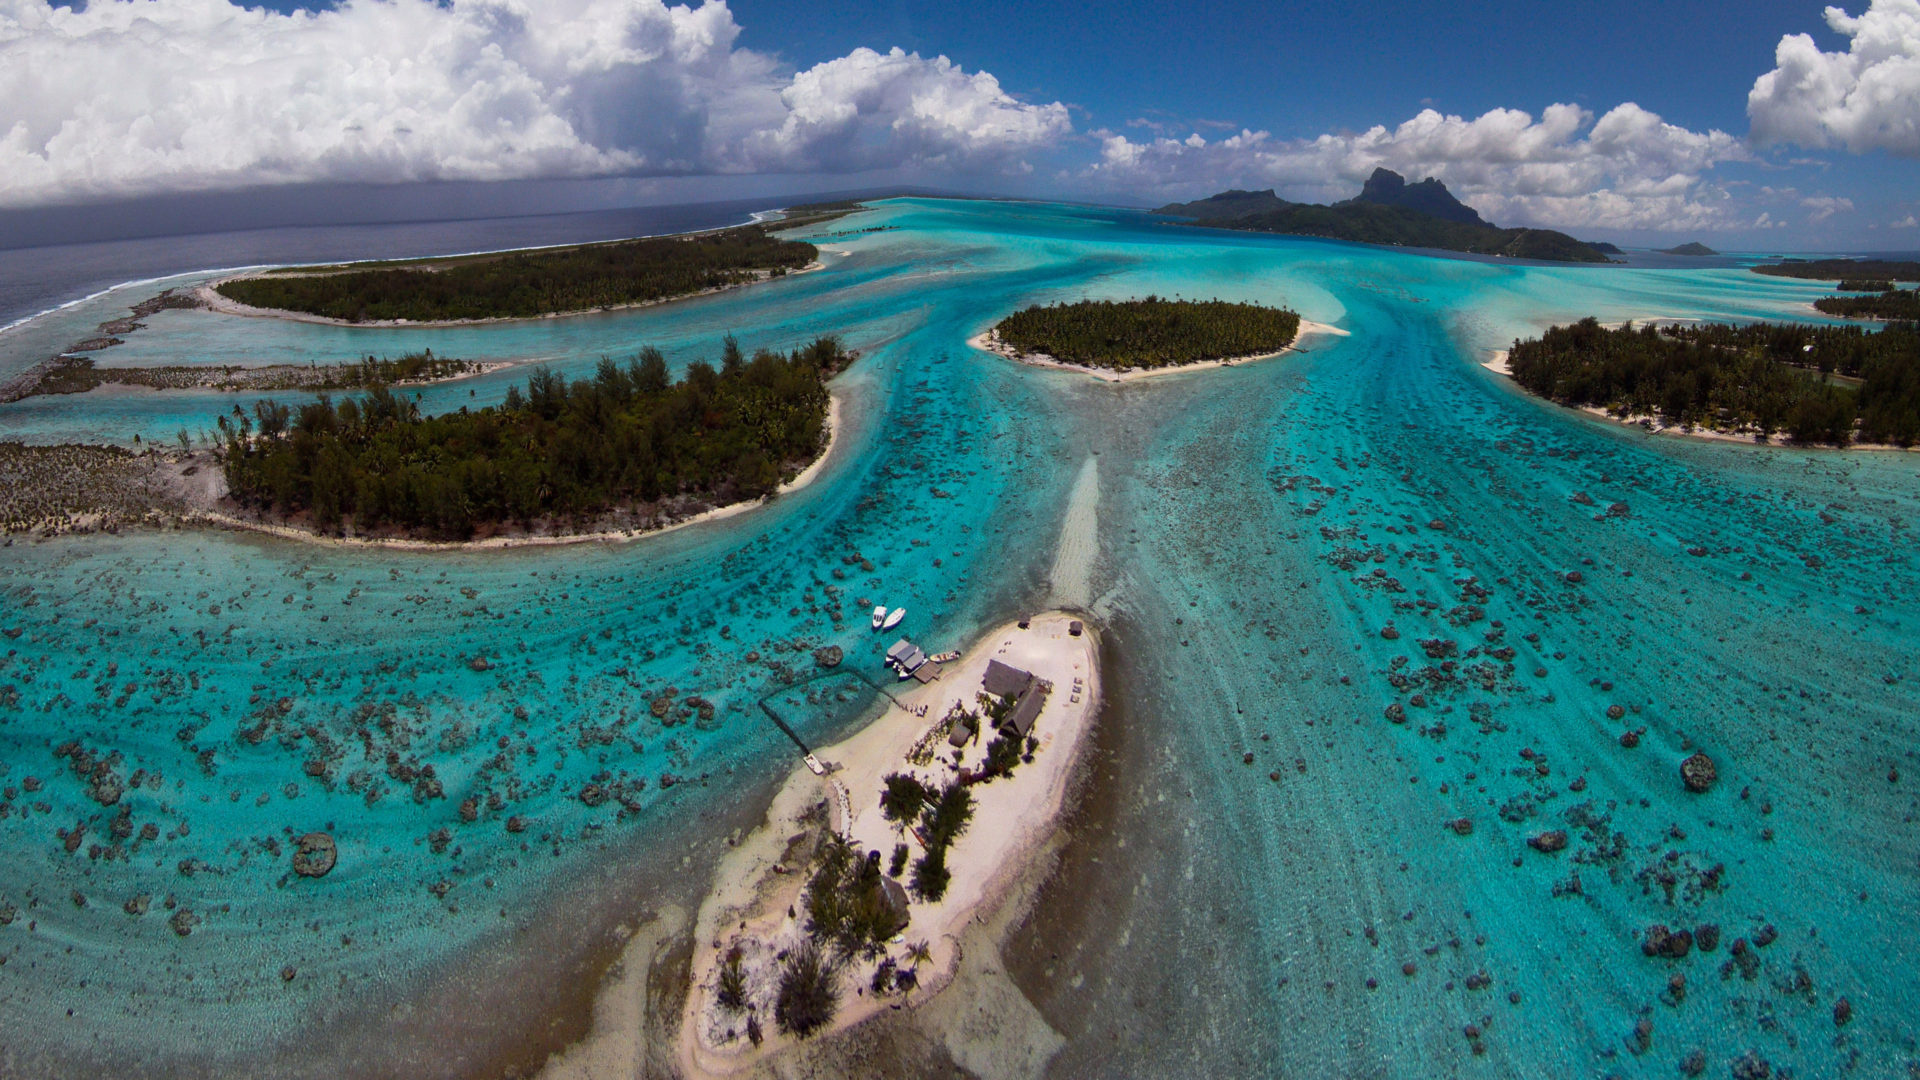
(210, 297)
(1017, 817)
(217, 519)
(1652, 425)
(989, 341)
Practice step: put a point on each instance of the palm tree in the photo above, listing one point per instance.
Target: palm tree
(919, 953)
(809, 992)
(733, 982)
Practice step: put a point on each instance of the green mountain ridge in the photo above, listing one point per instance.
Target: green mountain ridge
(1388, 211)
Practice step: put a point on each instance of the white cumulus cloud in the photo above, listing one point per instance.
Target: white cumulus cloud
(1825, 206)
(869, 109)
(133, 97)
(1867, 98)
(1628, 169)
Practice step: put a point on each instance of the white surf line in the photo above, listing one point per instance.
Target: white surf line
(1072, 575)
(58, 308)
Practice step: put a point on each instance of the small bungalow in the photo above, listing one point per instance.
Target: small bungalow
(1026, 710)
(1005, 681)
(1028, 695)
(962, 732)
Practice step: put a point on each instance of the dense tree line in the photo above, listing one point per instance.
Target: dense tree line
(527, 284)
(1864, 285)
(556, 450)
(1149, 333)
(1836, 269)
(1894, 304)
(1815, 384)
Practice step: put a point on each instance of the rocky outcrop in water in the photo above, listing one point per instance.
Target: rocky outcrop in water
(1660, 941)
(1699, 773)
(1549, 842)
(314, 855)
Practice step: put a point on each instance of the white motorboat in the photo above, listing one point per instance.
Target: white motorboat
(893, 618)
(879, 616)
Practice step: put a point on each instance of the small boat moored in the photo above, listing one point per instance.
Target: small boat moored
(879, 616)
(893, 618)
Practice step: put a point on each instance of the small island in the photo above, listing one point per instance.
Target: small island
(1816, 385)
(1695, 249)
(622, 454)
(526, 284)
(1125, 339)
(625, 450)
(1388, 211)
(885, 861)
(1842, 269)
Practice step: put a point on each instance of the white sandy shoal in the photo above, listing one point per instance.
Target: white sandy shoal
(1071, 578)
(989, 341)
(1013, 818)
(209, 295)
(494, 543)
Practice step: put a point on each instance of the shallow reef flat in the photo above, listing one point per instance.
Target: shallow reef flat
(1401, 672)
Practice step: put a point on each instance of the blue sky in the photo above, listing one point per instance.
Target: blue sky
(1300, 69)
(1608, 120)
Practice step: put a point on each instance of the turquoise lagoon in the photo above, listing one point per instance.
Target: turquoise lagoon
(1259, 527)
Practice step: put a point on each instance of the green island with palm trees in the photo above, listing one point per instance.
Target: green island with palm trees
(1147, 334)
(526, 284)
(1825, 385)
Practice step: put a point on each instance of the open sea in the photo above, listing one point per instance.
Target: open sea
(1286, 549)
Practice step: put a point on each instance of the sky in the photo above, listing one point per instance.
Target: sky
(1772, 124)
